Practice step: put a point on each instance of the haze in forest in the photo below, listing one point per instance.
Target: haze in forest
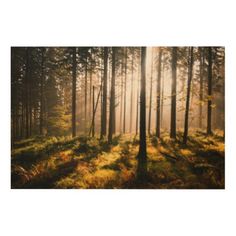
(148, 96)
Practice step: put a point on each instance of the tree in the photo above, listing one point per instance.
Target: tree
(150, 99)
(125, 90)
(42, 91)
(142, 154)
(190, 69)
(27, 98)
(112, 97)
(158, 116)
(104, 97)
(131, 94)
(137, 102)
(201, 85)
(93, 120)
(173, 94)
(209, 103)
(74, 91)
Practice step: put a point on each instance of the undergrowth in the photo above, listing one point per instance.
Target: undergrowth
(83, 162)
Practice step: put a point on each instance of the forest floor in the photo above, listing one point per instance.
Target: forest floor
(90, 163)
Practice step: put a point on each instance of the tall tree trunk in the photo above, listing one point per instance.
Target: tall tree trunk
(30, 103)
(158, 116)
(112, 97)
(93, 120)
(162, 93)
(94, 111)
(190, 69)
(201, 86)
(42, 92)
(150, 99)
(85, 92)
(122, 92)
(90, 92)
(173, 94)
(74, 92)
(27, 72)
(104, 103)
(22, 116)
(125, 90)
(131, 94)
(142, 155)
(209, 103)
(137, 104)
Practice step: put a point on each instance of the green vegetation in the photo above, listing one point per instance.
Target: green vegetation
(82, 162)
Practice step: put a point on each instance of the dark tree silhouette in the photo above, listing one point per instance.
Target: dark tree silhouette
(73, 91)
(190, 75)
(173, 94)
(209, 103)
(142, 154)
(104, 97)
(158, 115)
(112, 97)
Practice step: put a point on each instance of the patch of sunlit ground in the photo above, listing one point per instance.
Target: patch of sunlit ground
(91, 164)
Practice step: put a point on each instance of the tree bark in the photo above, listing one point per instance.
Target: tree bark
(27, 72)
(125, 91)
(131, 94)
(85, 91)
(142, 155)
(104, 97)
(158, 116)
(162, 93)
(42, 91)
(188, 95)
(173, 94)
(112, 97)
(93, 120)
(122, 92)
(201, 86)
(74, 92)
(209, 103)
(137, 105)
(150, 99)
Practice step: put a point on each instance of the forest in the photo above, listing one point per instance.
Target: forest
(118, 117)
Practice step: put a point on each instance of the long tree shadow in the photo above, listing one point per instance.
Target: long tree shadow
(47, 180)
(32, 157)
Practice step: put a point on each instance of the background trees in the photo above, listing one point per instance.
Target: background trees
(52, 90)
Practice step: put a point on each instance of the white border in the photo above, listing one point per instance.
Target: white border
(117, 212)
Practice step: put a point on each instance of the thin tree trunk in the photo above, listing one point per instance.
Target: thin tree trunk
(137, 105)
(94, 112)
(142, 155)
(150, 99)
(162, 93)
(27, 92)
(158, 116)
(104, 109)
(131, 94)
(209, 103)
(125, 91)
(85, 93)
(42, 92)
(93, 120)
(74, 93)
(122, 91)
(201, 86)
(112, 98)
(90, 91)
(173, 94)
(30, 103)
(188, 95)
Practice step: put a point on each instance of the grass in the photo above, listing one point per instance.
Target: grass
(82, 162)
